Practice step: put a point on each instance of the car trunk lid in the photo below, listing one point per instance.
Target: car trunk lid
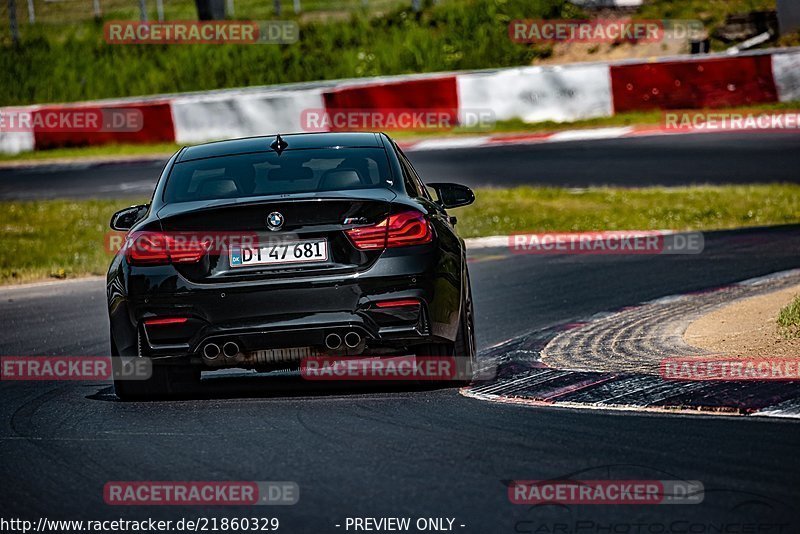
(241, 227)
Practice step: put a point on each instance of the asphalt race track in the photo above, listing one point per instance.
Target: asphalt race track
(723, 158)
(399, 452)
(405, 452)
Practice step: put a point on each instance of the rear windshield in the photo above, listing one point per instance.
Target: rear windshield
(267, 173)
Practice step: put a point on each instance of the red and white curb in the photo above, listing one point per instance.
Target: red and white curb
(609, 383)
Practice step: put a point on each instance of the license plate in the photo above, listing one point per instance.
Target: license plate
(280, 253)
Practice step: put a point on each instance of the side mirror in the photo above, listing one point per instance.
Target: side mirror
(453, 195)
(125, 219)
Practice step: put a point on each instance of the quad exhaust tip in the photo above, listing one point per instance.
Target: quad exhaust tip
(211, 351)
(333, 341)
(352, 339)
(230, 349)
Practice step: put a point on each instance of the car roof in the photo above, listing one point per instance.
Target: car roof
(295, 142)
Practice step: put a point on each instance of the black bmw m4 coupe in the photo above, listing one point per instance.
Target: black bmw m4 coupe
(256, 253)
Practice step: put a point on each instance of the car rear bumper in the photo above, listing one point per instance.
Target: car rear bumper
(308, 331)
(287, 313)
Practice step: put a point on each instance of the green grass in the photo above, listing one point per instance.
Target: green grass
(54, 238)
(74, 62)
(61, 238)
(73, 12)
(522, 209)
(789, 319)
(64, 59)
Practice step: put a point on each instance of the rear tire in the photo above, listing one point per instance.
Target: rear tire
(466, 352)
(167, 380)
(463, 348)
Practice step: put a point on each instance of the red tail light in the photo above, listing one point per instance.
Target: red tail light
(369, 237)
(408, 228)
(399, 230)
(153, 248)
(147, 248)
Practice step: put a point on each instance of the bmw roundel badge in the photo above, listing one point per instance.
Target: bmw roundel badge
(274, 221)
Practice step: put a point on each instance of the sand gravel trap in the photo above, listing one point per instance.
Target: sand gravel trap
(746, 328)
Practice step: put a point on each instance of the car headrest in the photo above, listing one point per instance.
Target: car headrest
(339, 179)
(218, 188)
(291, 173)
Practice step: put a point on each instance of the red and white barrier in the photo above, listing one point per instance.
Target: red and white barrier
(204, 118)
(786, 71)
(425, 93)
(14, 142)
(532, 94)
(152, 124)
(536, 94)
(693, 84)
